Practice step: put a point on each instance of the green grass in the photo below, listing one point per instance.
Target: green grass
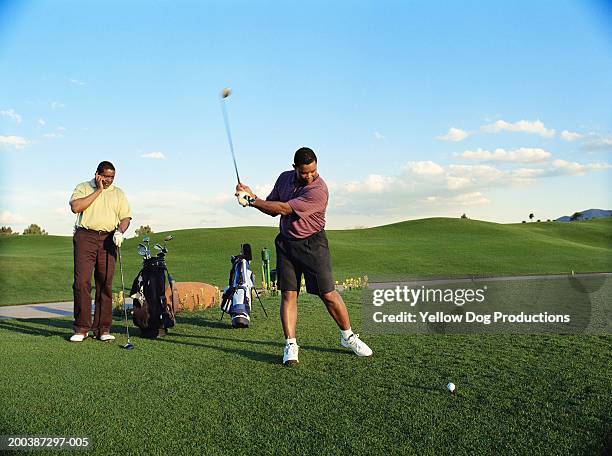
(207, 389)
(39, 268)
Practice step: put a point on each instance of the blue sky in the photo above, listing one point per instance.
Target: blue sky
(415, 109)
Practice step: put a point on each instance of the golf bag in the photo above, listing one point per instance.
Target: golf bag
(237, 296)
(152, 313)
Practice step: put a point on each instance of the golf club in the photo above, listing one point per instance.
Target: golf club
(142, 250)
(224, 94)
(147, 240)
(129, 344)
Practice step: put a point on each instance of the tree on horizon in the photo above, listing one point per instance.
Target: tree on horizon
(34, 230)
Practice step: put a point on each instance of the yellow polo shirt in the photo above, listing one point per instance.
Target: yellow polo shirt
(104, 214)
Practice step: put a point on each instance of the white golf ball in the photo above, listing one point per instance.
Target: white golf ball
(226, 92)
(451, 387)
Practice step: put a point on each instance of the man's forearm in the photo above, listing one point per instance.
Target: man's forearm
(124, 224)
(272, 208)
(80, 204)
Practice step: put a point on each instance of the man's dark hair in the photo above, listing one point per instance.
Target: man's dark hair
(103, 166)
(304, 156)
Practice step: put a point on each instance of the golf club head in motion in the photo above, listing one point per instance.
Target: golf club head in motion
(166, 240)
(225, 93)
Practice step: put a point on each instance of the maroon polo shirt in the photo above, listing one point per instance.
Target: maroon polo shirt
(308, 202)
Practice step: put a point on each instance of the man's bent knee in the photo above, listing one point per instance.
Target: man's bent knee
(330, 297)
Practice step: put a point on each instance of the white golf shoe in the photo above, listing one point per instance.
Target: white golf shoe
(358, 346)
(78, 337)
(290, 355)
(106, 337)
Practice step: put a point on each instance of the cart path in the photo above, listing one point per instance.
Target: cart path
(43, 310)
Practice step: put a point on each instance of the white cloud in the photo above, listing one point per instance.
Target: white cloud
(9, 217)
(570, 135)
(154, 155)
(527, 173)
(463, 176)
(374, 183)
(60, 128)
(42, 121)
(11, 114)
(77, 82)
(599, 143)
(520, 155)
(455, 183)
(263, 190)
(57, 105)
(555, 169)
(53, 135)
(525, 126)
(563, 167)
(423, 168)
(463, 199)
(454, 134)
(378, 135)
(15, 141)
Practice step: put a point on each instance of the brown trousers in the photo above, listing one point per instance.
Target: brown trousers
(94, 252)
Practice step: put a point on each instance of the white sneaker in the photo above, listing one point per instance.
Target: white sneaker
(290, 355)
(106, 337)
(358, 346)
(77, 337)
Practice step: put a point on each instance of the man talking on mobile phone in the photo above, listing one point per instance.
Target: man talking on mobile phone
(103, 215)
(300, 197)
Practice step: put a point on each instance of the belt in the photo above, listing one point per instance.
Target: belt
(99, 232)
(292, 239)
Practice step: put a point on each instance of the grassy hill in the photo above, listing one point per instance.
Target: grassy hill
(39, 268)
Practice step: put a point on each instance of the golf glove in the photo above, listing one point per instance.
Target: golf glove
(244, 198)
(118, 238)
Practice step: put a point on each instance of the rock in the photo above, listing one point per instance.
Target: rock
(191, 296)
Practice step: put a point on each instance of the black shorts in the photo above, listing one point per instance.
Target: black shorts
(309, 256)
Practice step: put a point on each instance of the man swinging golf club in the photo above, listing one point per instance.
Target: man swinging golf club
(300, 197)
(103, 215)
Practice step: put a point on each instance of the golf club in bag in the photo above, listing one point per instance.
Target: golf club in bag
(151, 312)
(237, 296)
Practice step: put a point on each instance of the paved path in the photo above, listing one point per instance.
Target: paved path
(64, 309)
(46, 310)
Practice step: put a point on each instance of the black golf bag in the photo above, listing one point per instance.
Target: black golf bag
(152, 313)
(237, 296)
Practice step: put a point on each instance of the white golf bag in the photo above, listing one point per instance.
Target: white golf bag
(237, 296)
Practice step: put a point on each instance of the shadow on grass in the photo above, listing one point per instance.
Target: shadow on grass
(63, 328)
(255, 356)
(202, 322)
(280, 345)
(45, 328)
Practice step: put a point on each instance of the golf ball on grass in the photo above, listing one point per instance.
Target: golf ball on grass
(451, 387)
